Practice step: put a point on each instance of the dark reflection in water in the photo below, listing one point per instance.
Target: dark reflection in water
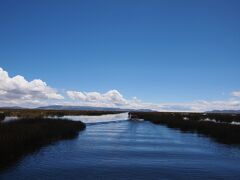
(131, 150)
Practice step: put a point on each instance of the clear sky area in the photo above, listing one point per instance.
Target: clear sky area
(170, 55)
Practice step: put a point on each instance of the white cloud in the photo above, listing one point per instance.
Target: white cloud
(196, 106)
(76, 95)
(236, 93)
(17, 90)
(112, 97)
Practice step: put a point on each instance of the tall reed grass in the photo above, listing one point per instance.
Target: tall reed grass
(217, 126)
(23, 136)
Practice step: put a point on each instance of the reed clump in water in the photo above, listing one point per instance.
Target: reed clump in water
(217, 126)
(20, 137)
(2, 116)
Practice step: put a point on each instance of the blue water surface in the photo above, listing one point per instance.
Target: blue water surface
(130, 150)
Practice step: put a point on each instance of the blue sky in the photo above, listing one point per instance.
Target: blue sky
(160, 51)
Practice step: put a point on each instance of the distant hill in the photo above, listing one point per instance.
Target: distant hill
(88, 108)
(13, 107)
(225, 111)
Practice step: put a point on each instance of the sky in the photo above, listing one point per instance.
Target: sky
(166, 55)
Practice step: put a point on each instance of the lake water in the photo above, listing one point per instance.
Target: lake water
(121, 149)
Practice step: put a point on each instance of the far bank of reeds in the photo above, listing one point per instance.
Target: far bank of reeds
(33, 113)
(223, 128)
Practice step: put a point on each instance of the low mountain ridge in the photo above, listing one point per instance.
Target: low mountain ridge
(225, 111)
(89, 108)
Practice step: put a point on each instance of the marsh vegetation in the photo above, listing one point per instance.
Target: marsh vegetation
(32, 113)
(27, 135)
(35, 128)
(2, 116)
(224, 128)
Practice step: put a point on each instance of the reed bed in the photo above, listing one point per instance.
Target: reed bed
(217, 126)
(27, 135)
(36, 113)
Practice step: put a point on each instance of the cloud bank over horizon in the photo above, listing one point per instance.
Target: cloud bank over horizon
(17, 91)
(236, 93)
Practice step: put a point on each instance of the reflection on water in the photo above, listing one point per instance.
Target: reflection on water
(10, 118)
(98, 119)
(131, 150)
(84, 118)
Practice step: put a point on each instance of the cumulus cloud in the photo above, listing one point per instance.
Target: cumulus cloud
(17, 90)
(112, 97)
(196, 106)
(236, 93)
